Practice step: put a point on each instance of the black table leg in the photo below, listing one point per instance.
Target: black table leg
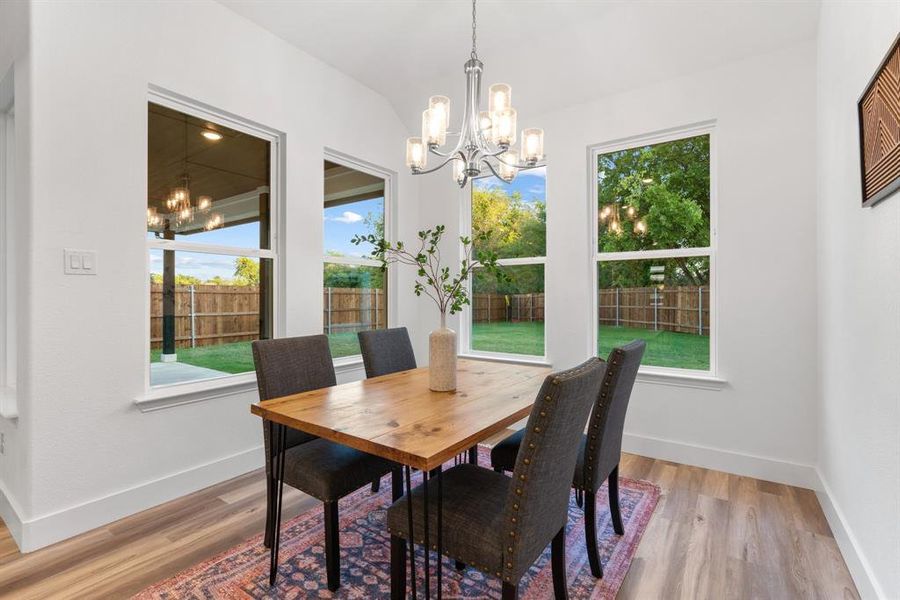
(440, 529)
(412, 542)
(427, 543)
(278, 470)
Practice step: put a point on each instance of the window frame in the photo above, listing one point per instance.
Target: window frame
(388, 176)
(708, 378)
(161, 396)
(465, 317)
(8, 329)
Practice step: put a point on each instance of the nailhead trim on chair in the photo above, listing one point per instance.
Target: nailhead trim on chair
(527, 461)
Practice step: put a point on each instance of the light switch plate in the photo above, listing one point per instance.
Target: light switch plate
(80, 262)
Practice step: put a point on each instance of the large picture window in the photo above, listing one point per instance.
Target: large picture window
(507, 316)
(354, 289)
(654, 249)
(210, 246)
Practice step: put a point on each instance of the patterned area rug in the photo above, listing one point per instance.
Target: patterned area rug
(242, 572)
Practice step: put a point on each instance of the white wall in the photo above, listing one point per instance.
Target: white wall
(763, 422)
(859, 308)
(15, 86)
(93, 455)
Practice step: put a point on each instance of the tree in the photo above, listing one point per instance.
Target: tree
(667, 185)
(246, 271)
(506, 225)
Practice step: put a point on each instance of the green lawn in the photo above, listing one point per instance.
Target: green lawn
(664, 348)
(526, 337)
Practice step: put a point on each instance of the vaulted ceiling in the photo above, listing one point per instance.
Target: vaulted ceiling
(555, 53)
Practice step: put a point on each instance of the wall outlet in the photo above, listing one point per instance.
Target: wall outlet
(80, 262)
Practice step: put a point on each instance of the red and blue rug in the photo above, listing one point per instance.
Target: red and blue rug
(242, 572)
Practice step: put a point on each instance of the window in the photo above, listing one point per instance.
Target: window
(507, 316)
(354, 291)
(211, 250)
(655, 257)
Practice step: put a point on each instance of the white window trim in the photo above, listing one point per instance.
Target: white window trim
(465, 317)
(9, 408)
(346, 364)
(703, 379)
(177, 394)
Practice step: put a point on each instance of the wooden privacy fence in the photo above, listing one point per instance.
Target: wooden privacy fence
(683, 309)
(488, 308)
(353, 309)
(207, 315)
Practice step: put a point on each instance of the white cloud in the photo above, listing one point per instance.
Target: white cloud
(347, 216)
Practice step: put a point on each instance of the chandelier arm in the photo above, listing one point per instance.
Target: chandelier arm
(433, 169)
(491, 167)
(518, 165)
(450, 154)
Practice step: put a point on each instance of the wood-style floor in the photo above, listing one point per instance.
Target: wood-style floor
(713, 535)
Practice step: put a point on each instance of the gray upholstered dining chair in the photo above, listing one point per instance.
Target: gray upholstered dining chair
(386, 351)
(318, 467)
(599, 450)
(501, 525)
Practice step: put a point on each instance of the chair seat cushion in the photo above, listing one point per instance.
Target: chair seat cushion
(473, 503)
(330, 471)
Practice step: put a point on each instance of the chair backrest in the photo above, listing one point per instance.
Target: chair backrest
(538, 499)
(604, 437)
(286, 366)
(386, 351)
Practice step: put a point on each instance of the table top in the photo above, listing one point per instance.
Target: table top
(397, 417)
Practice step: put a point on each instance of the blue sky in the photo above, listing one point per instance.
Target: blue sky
(531, 184)
(341, 223)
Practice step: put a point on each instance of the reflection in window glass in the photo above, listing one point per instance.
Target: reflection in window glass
(212, 308)
(353, 284)
(654, 197)
(508, 316)
(207, 185)
(664, 302)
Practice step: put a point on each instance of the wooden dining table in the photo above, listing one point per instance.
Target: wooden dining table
(397, 417)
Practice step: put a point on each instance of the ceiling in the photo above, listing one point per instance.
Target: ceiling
(554, 53)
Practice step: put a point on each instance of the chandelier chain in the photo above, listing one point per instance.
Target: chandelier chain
(474, 54)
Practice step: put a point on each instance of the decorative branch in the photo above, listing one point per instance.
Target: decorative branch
(432, 278)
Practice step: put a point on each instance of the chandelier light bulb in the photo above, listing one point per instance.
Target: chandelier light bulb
(153, 217)
(640, 227)
(499, 97)
(532, 145)
(434, 132)
(484, 122)
(441, 106)
(214, 221)
(507, 170)
(630, 212)
(504, 127)
(415, 154)
(204, 203)
(459, 171)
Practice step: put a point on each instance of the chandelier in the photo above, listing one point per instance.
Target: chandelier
(180, 209)
(610, 215)
(486, 138)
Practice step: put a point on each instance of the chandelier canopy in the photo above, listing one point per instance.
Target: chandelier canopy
(486, 138)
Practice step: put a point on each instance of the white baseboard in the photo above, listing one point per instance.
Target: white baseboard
(11, 514)
(866, 583)
(54, 527)
(748, 465)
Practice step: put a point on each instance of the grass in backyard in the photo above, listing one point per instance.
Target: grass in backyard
(664, 348)
(526, 337)
(237, 357)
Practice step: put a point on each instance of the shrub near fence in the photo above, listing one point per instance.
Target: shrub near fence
(206, 315)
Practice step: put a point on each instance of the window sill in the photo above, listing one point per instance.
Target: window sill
(348, 364)
(539, 361)
(9, 407)
(689, 379)
(179, 394)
